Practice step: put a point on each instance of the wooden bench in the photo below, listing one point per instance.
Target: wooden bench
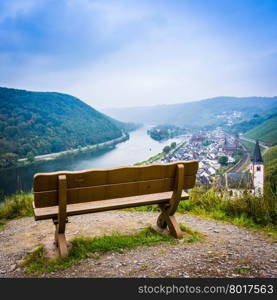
(62, 194)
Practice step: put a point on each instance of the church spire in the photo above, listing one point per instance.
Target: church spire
(257, 157)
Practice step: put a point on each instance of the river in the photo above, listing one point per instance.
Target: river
(139, 147)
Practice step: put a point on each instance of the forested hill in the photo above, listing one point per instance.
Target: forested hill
(33, 123)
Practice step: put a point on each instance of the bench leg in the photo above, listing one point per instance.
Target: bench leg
(60, 242)
(161, 222)
(62, 218)
(165, 219)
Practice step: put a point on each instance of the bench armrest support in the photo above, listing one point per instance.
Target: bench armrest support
(62, 203)
(179, 185)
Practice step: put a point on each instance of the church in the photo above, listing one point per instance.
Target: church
(238, 182)
(227, 147)
(257, 170)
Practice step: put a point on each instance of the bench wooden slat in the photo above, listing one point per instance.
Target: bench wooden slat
(103, 192)
(49, 181)
(97, 206)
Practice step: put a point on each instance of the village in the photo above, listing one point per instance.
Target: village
(207, 147)
(219, 153)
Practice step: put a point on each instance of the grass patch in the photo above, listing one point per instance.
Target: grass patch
(246, 210)
(150, 160)
(158, 156)
(191, 235)
(2, 224)
(243, 270)
(16, 206)
(36, 262)
(142, 208)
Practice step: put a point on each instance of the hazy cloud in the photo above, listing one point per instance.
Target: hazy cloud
(14, 8)
(130, 53)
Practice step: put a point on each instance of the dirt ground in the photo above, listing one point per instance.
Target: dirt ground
(226, 250)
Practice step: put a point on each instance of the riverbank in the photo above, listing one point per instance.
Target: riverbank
(160, 155)
(64, 154)
(138, 147)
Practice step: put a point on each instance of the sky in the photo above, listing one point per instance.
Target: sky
(140, 52)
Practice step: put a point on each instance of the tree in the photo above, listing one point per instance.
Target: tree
(10, 131)
(173, 145)
(207, 143)
(30, 156)
(8, 160)
(166, 149)
(26, 148)
(223, 160)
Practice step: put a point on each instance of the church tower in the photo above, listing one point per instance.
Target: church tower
(257, 170)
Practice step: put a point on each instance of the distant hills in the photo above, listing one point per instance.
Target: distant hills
(194, 114)
(34, 123)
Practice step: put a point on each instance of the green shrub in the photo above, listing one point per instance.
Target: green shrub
(220, 205)
(18, 205)
(257, 208)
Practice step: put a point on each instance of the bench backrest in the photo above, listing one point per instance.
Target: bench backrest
(102, 184)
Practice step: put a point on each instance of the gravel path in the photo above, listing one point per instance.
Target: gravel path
(226, 251)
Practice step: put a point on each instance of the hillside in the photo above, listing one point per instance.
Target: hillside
(127, 127)
(194, 114)
(270, 160)
(266, 131)
(254, 121)
(34, 123)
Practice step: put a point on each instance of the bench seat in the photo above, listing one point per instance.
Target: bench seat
(104, 205)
